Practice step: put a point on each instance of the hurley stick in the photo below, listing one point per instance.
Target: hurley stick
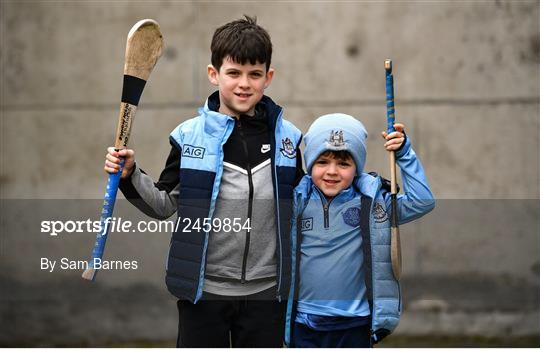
(143, 49)
(395, 244)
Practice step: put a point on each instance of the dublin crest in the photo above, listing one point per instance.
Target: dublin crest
(336, 139)
(288, 148)
(379, 213)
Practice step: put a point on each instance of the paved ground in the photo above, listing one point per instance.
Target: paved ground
(439, 311)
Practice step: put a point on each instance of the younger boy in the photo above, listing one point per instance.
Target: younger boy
(343, 292)
(229, 176)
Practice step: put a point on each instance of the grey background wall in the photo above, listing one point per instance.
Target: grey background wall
(467, 79)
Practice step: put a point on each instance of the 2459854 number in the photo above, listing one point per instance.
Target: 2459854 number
(226, 225)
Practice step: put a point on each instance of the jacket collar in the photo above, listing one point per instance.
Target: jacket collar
(368, 185)
(215, 121)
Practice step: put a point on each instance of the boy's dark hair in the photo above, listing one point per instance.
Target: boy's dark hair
(338, 154)
(244, 41)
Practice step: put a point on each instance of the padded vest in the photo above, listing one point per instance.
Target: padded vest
(200, 141)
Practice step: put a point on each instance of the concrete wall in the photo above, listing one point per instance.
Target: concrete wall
(467, 84)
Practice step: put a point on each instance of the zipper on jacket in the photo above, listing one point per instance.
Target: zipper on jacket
(250, 202)
(326, 209)
(326, 216)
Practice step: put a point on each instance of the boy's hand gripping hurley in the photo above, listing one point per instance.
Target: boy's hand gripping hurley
(143, 49)
(395, 244)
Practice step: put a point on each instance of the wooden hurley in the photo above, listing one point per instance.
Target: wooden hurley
(143, 49)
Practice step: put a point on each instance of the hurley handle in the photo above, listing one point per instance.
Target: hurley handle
(395, 243)
(104, 225)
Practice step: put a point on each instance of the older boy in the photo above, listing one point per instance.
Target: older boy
(343, 292)
(229, 260)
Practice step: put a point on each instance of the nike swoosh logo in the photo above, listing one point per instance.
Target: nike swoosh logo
(265, 148)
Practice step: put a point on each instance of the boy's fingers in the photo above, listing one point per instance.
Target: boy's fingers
(111, 165)
(119, 152)
(109, 169)
(394, 141)
(395, 134)
(399, 127)
(112, 158)
(392, 147)
(125, 152)
(384, 134)
(112, 151)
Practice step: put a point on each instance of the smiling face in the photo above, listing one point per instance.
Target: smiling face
(332, 172)
(241, 86)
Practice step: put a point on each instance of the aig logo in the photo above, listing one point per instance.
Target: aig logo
(191, 151)
(306, 224)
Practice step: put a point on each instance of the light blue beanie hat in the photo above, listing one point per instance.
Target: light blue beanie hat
(336, 132)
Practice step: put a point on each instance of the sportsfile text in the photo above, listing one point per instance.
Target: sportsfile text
(53, 227)
(117, 224)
